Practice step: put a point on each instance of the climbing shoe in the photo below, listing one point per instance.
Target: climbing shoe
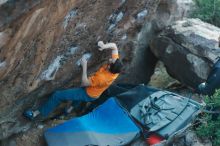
(29, 114)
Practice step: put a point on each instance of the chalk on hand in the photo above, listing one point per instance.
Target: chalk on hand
(87, 57)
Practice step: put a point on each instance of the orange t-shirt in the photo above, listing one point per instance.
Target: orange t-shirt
(100, 81)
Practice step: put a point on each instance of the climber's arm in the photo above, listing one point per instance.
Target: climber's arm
(112, 46)
(85, 80)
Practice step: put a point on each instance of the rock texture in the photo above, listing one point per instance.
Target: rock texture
(41, 42)
(188, 49)
(188, 138)
(166, 12)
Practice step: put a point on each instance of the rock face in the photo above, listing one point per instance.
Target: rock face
(41, 42)
(166, 12)
(188, 49)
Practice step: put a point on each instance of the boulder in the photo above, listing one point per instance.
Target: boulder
(41, 42)
(188, 48)
(165, 12)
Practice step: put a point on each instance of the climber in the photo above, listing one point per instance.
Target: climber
(91, 89)
(213, 81)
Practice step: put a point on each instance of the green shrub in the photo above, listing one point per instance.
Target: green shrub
(210, 126)
(208, 11)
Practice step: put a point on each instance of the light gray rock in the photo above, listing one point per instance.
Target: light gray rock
(188, 48)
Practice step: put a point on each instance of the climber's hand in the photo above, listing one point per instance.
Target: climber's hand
(83, 61)
(101, 44)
